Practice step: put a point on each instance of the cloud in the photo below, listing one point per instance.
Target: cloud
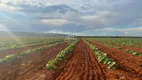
(137, 31)
(98, 19)
(4, 6)
(81, 16)
(57, 22)
(95, 19)
(60, 32)
(112, 32)
(47, 9)
(86, 7)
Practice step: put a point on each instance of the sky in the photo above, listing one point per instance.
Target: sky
(75, 17)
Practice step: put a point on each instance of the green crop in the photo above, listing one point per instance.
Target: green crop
(103, 57)
(51, 65)
(9, 58)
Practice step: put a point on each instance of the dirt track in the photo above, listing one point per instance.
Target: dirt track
(82, 66)
(29, 64)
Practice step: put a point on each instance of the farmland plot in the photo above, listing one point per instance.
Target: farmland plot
(78, 60)
(84, 64)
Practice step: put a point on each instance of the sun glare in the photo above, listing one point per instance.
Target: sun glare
(11, 34)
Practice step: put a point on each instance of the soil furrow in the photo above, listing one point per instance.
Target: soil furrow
(83, 66)
(125, 47)
(130, 61)
(20, 50)
(31, 63)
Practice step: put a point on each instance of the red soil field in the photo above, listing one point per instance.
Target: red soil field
(131, 62)
(125, 47)
(83, 65)
(130, 48)
(4, 53)
(28, 65)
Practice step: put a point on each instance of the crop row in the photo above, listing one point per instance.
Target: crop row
(51, 65)
(109, 41)
(15, 56)
(9, 44)
(103, 57)
(133, 42)
(126, 50)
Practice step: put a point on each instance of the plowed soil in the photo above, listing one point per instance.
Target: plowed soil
(4, 53)
(126, 47)
(130, 48)
(82, 66)
(29, 65)
(130, 62)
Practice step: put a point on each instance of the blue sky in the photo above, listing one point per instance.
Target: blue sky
(77, 17)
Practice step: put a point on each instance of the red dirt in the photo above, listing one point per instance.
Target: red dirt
(126, 47)
(131, 48)
(120, 74)
(131, 62)
(29, 65)
(19, 50)
(82, 66)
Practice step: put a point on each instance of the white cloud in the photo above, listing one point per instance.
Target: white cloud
(100, 17)
(95, 19)
(101, 14)
(60, 32)
(76, 4)
(3, 6)
(44, 2)
(27, 2)
(112, 32)
(57, 22)
(128, 31)
(137, 29)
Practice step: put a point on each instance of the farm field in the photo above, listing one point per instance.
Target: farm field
(24, 44)
(70, 40)
(79, 59)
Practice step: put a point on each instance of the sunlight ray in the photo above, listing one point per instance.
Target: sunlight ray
(11, 34)
(9, 18)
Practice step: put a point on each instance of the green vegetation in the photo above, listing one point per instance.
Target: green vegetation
(40, 48)
(14, 56)
(133, 42)
(23, 42)
(103, 57)
(133, 52)
(126, 50)
(51, 65)
(9, 58)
